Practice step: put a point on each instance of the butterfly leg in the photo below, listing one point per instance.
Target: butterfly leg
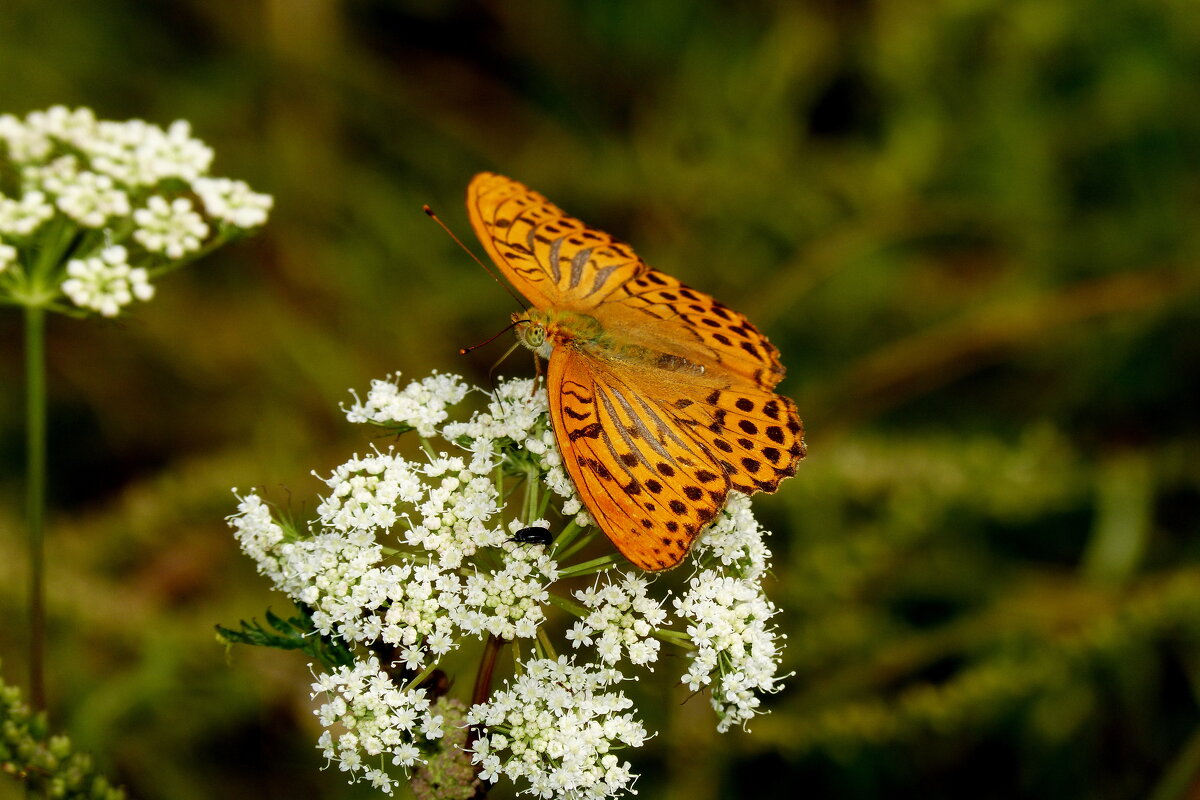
(537, 374)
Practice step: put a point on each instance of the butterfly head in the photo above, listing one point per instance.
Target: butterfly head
(533, 333)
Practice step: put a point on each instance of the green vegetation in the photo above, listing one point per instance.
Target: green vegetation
(969, 225)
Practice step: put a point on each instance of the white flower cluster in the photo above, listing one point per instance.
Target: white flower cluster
(735, 643)
(517, 413)
(261, 538)
(233, 202)
(622, 622)
(557, 727)
(456, 512)
(417, 557)
(378, 720)
(507, 603)
(89, 198)
(8, 255)
(105, 282)
(421, 404)
(365, 492)
(169, 227)
(736, 540)
(83, 188)
(21, 216)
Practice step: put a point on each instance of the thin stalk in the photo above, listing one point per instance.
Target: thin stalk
(564, 550)
(531, 498)
(588, 567)
(487, 665)
(483, 690)
(547, 646)
(35, 498)
(566, 536)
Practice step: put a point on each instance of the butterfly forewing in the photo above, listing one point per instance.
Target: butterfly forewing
(695, 325)
(554, 260)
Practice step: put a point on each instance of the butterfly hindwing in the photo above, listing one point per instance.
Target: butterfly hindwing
(649, 484)
(755, 436)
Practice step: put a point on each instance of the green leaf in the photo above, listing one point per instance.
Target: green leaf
(295, 633)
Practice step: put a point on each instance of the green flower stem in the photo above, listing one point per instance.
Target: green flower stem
(677, 638)
(545, 643)
(565, 537)
(566, 551)
(590, 567)
(531, 498)
(35, 499)
(425, 673)
(569, 605)
(222, 238)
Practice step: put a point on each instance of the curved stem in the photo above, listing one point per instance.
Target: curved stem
(487, 665)
(483, 689)
(35, 498)
(588, 567)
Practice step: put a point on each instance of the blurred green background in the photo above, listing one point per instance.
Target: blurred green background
(970, 226)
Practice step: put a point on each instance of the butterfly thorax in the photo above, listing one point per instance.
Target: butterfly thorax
(542, 331)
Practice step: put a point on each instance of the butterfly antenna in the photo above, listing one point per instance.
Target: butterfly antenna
(450, 233)
(462, 351)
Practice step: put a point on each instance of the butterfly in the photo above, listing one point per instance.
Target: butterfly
(661, 398)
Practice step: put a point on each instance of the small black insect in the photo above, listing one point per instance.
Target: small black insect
(540, 536)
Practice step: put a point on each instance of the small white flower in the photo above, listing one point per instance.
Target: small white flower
(559, 722)
(171, 227)
(8, 255)
(106, 282)
(377, 719)
(91, 199)
(21, 217)
(737, 653)
(422, 404)
(233, 201)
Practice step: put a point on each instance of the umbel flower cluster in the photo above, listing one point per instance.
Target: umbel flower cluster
(92, 211)
(410, 561)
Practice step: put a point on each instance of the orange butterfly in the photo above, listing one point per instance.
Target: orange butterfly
(661, 398)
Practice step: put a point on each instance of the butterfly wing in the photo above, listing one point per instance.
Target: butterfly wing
(648, 484)
(555, 260)
(654, 458)
(558, 262)
(655, 310)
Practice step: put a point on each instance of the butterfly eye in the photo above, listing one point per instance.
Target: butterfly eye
(533, 336)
